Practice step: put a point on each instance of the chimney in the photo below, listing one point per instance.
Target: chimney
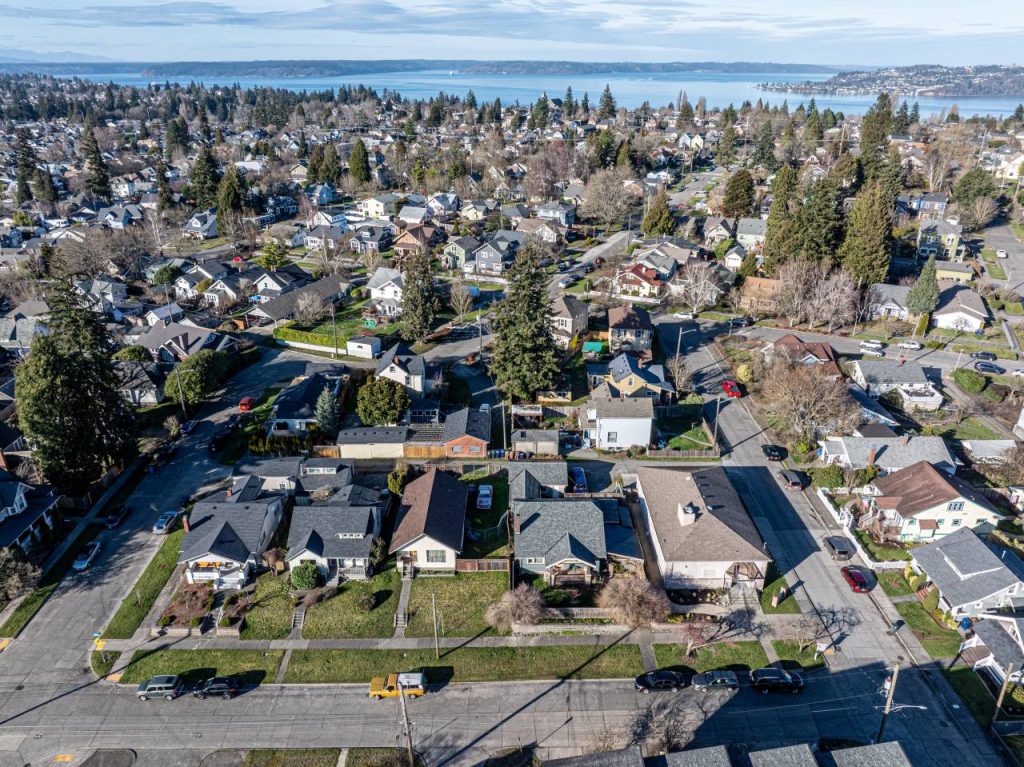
(185, 523)
(687, 514)
(871, 456)
(515, 523)
(906, 439)
(230, 491)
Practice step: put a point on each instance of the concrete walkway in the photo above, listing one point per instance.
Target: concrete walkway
(403, 606)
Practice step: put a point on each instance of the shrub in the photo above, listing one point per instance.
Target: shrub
(306, 576)
(164, 622)
(828, 477)
(224, 622)
(933, 344)
(744, 373)
(633, 601)
(397, 478)
(523, 604)
(367, 601)
(195, 622)
(969, 380)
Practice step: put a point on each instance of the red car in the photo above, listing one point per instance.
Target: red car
(731, 388)
(246, 404)
(858, 582)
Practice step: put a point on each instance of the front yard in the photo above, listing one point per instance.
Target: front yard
(793, 659)
(938, 641)
(270, 611)
(733, 656)
(881, 552)
(462, 600)
(343, 616)
(683, 430)
(893, 583)
(250, 667)
(347, 323)
(467, 664)
(773, 581)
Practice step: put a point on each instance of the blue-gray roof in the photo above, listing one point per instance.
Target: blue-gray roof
(556, 530)
(963, 568)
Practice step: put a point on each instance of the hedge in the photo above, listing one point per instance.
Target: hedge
(969, 380)
(828, 477)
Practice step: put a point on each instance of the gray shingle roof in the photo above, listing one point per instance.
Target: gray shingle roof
(891, 453)
(963, 568)
(888, 754)
(526, 480)
(467, 422)
(225, 529)
(788, 756)
(887, 371)
(298, 402)
(401, 355)
(715, 756)
(560, 529)
(372, 435)
(627, 757)
(317, 529)
(1004, 648)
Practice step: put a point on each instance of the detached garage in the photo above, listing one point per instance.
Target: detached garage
(535, 441)
(372, 442)
(365, 347)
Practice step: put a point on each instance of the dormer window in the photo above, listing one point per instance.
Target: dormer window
(20, 503)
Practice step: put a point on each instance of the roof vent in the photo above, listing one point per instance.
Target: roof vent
(687, 514)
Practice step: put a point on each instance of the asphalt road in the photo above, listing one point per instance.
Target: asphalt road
(1001, 237)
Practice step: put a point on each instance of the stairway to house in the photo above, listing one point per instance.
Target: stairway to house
(298, 620)
(210, 621)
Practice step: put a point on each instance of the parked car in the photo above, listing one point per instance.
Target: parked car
(485, 408)
(235, 421)
(86, 556)
(219, 686)
(731, 388)
(910, 345)
(578, 478)
(872, 345)
(162, 456)
(189, 426)
(485, 497)
(117, 516)
(683, 315)
(987, 356)
(1017, 373)
(791, 479)
(857, 580)
(568, 282)
(246, 404)
(773, 452)
(412, 684)
(1002, 254)
(165, 523)
(588, 268)
(659, 681)
(988, 367)
(766, 680)
(167, 687)
(868, 351)
(715, 680)
(838, 547)
(741, 322)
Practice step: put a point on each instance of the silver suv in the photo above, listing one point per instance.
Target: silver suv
(168, 687)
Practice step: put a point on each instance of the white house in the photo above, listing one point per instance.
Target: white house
(619, 424)
(960, 308)
(888, 454)
(385, 287)
(336, 536)
(400, 365)
(431, 523)
(364, 347)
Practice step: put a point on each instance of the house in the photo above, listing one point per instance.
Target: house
(385, 288)
(626, 757)
(702, 534)
(160, 315)
(885, 300)
(625, 376)
(920, 503)
(960, 308)
(717, 231)
(550, 232)
(283, 307)
(798, 352)
(381, 206)
(537, 479)
(569, 319)
(370, 239)
(932, 206)
(760, 295)
(991, 451)
(175, 342)
(561, 212)
(27, 512)
(750, 233)
(466, 434)
(430, 524)
(734, 258)
(226, 537)
(413, 214)
(629, 329)
(400, 365)
(369, 442)
(140, 383)
(415, 239)
(904, 377)
(971, 578)
(321, 194)
(940, 239)
(337, 535)
(277, 475)
(561, 540)
(294, 410)
(954, 271)
(618, 424)
(325, 239)
(459, 251)
(639, 281)
(499, 251)
(364, 347)
(888, 454)
(535, 442)
(202, 225)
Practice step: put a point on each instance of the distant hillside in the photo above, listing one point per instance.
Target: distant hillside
(284, 68)
(920, 80)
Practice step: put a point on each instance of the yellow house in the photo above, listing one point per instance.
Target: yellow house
(954, 271)
(625, 377)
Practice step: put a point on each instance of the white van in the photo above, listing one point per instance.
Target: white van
(872, 345)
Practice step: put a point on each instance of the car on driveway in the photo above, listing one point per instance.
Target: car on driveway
(741, 322)
(578, 478)
(988, 367)
(715, 680)
(485, 497)
(987, 356)
(659, 681)
(857, 580)
(167, 687)
(683, 316)
(165, 523)
(773, 452)
(840, 548)
(117, 516)
(731, 388)
(217, 687)
(86, 556)
(246, 404)
(189, 426)
(766, 680)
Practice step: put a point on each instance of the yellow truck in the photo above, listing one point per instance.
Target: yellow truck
(413, 684)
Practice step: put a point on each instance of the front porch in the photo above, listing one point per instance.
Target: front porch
(220, 575)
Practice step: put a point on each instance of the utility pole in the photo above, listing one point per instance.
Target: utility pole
(433, 606)
(718, 408)
(405, 726)
(181, 394)
(1002, 692)
(679, 342)
(888, 702)
(504, 437)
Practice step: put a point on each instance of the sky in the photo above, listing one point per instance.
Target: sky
(865, 32)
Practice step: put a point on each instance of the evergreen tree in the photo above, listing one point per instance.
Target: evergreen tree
(165, 195)
(813, 131)
(273, 257)
(726, 147)
(359, 163)
(821, 222)
(973, 184)
(684, 119)
(97, 179)
(205, 179)
(419, 302)
(568, 104)
(764, 148)
(606, 106)
(231, 191)
(603, 149)
(204, 125)
(470, 100)
(739, 194)
(69, 406)
(329, 166)
(316, 158)
(327, 412)
(624, 157)
(381, 402)
(874, 136)
(868, 246)
(45, 191)
(26, 163)
(901, 121)
(585, 104)
(525, 358)
(915, 114)
(923, 296)
(781, 234)
(659, 219)
(541, 114)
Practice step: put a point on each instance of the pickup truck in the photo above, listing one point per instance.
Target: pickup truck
(414, 685)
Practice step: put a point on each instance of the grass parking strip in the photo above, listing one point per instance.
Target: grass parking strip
(250, 667)
(733, 656)
(137, 604)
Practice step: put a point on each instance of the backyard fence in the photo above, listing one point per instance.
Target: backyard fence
(481, 565)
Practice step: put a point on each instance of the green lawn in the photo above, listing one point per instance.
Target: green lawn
(496, 543)
(348, 322)
(685, 429)
(103, 662)
(468, 664)
(773, 581)
(376, 757)
(341, 616)
(35, 600)
(893, 583)
(881, 553)
(969, 428)
(938, 642)
(462, 600)
(792, 659)
(140, 599)
(299, 757)
(270, 616)
(734, 656)
(1018, 231)
(249, 666)
(973, 692)
(992, 265)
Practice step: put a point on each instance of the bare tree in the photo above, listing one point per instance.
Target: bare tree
(980, 212)
(607, 198)
(833, 298)
(660, 727)
(807, 630)
(311, 309)
(697, 633)
(700, 288)
(1012, 467)
(523, 605)
(371, 260)
(809, 400)
(459, 297)
(679, 372)
(633, 602)
(797, 278)
(937, 168)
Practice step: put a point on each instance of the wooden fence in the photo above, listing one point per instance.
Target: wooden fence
(481, 566)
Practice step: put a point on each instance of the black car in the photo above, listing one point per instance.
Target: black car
(987, 356)
(118, 516)
(773, 452)
(588, 268)
(658, 681)
(219, 686)
(161, 456)
(741, 322)
(988, 367)
(838, 547)
(766, 680)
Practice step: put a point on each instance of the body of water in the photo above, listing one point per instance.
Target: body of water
(630, 90)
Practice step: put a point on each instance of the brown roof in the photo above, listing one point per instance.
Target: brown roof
(628, 317)
(433, 505)
(797, 348)
(920, 487)
(722, 531)
(761, 287)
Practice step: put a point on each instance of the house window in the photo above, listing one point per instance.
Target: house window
(613, 436)
(437, 555)
(940, 522)
(456, 448)
(955, 506)
(475, 449)
(911, 522)
(956, 523)
(535, 560)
